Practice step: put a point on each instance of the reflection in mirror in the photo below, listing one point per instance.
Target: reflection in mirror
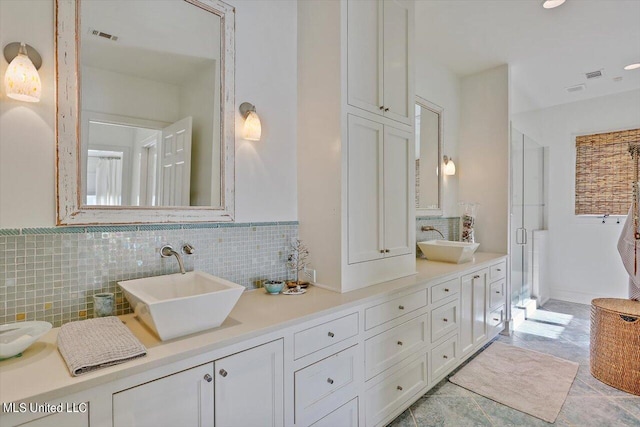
(150, 103)
(428, 125)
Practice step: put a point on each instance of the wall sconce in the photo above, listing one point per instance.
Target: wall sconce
(449, 166)
(22, 81)
(252, 130)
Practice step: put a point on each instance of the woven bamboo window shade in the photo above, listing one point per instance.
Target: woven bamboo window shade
(605, 172)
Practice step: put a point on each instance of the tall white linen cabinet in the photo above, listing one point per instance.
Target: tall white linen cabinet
(356, 152)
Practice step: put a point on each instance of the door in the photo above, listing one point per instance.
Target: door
(175, 164)
(249, 387)
(466, 314)
(397, 62)
(398, 159)
(182, 399)
(364, 52)
(480, 305)
(364, 190)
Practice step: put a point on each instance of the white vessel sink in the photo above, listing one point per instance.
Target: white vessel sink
(180, 304)
(447, 251)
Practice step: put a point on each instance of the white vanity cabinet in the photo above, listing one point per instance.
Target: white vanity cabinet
(184, 398)
(473, 308)
(379, 160)
(379, 43)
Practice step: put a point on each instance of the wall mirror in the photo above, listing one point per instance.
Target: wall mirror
(428, 121)
(145, 111)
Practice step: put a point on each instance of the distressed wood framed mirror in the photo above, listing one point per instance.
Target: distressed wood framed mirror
(145, 111)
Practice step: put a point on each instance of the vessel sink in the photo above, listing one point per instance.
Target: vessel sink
(180, 304)
(447, 251)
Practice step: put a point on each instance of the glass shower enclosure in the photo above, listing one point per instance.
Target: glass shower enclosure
(527, 212)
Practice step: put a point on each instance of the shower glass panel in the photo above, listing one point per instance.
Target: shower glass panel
(527, 212)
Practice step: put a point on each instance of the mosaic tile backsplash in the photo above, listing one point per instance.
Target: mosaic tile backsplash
(51, 274)
(448, 226)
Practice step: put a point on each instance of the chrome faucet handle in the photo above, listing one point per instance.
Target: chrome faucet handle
(187, 249)
(167, 251)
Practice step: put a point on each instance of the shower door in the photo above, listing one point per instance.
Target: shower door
(527, 211)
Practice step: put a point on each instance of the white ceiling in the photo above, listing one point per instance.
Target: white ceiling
(548, 50)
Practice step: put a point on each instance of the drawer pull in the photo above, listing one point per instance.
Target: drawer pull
(331, 334)
(446, 289)
(445, 320)
(498, 269)
(399, 342)
(208, 378)
(496, 319)
(401, 307)
(329, 380)
(498, 292)
(223, 372)
(399, 387)
(476, 276)
(444, 356)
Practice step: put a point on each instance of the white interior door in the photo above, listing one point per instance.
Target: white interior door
(365, 183)
(175, 164)
(398, 27)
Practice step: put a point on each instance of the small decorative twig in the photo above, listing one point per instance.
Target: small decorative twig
(297, 260)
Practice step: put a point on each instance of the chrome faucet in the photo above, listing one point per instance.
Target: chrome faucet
(431, 228)
(167, 251)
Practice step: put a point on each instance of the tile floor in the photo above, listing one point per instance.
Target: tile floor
(561, 329)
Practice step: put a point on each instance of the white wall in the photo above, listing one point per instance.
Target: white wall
(265, 75)
(483, 165)
(439, 85)
(583, 259)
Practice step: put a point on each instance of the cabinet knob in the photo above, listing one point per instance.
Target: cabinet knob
(446, 289)
(382, 107)
(498, 269)
(208, 378)
(444, 356)
(399, 342)
(386, 109)
(387, 251)
(381, 251)
(401, 307)
(331, 334)
(399, 387)
(223, 372)
(445, 320)
(497, 292)
(329, 380)
(496, 319)
(476, 276)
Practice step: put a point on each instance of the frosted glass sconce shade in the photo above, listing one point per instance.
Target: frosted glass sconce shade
(449, 166)
(22, 81)
(252, 129)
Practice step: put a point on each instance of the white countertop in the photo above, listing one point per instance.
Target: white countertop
(41, 374)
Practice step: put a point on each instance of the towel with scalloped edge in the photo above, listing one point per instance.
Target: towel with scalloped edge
(88, 345)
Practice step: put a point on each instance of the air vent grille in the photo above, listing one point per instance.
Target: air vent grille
(593, 74)
(576, 88)
(104, 35)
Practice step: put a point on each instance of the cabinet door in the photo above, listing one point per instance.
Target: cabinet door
(398, 157)
(364, 55)
(480, 306)
(364, 192)
(397, 60)
(185, 398)
(249, 387)
(466, 314)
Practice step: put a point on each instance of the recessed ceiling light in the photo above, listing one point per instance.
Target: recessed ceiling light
(550, 4)
(632, 66)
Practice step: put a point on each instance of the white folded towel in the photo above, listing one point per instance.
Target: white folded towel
(87, 345)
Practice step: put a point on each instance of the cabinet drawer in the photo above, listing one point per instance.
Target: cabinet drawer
(445, 290)
(379, 314)
(444, 320)
(443, 357)
(498, 271)
(318, 387)
(344, 416)
(321, 336)
(390, 393)
(390, 347)
(497, 293)
(496, 318)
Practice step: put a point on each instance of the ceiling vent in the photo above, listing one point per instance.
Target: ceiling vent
(103, 35)
(576, 88)
(593, 74)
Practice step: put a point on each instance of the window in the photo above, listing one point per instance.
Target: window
(605, 172)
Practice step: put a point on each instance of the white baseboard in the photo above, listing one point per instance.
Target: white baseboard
(577, 297)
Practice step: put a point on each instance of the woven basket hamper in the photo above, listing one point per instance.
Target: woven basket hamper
(615, 343)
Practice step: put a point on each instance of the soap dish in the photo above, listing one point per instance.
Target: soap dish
(294, 291)
(17, 337)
